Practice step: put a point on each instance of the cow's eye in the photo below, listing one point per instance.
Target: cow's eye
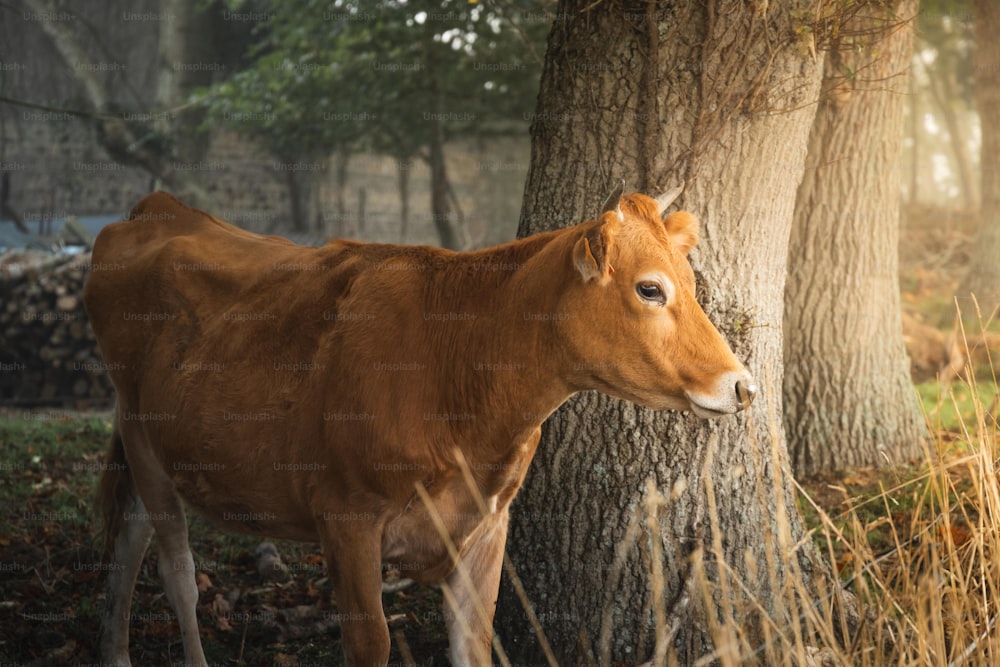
(651, 292)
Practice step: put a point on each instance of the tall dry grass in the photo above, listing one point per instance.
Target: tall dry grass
(931, 598)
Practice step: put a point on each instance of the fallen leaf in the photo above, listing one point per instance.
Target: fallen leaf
(204, 583)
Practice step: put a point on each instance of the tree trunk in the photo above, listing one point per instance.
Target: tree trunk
(362, 211)
(440, 202)
(403, 182)
(122, 142)
(849, 399)
(720, 95)
(6, 210)
(914, 127)
(342, 160)
(944, 92)
(303, 194)
(186, 62)
(983, 278)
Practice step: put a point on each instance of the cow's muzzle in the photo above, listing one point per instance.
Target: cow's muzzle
(721, 399)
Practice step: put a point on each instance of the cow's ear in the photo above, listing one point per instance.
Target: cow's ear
(682, 228)
(592, 251)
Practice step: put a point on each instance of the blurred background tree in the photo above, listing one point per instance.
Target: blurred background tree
(402, 78)
(983, 276)
(848, 395)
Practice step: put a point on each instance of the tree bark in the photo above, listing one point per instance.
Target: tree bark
(849, 399)
(720, 95)
(983, 278)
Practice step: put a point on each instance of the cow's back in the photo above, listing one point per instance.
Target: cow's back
(170, 269)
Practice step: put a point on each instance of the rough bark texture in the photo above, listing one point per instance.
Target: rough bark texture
(717, 94)
(983, 278)
(849, 399)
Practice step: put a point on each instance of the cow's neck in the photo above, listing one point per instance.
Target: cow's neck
(511, 369)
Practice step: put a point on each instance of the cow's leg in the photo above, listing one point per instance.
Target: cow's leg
(354, 560)
(166, 515)
(129, 547)
(469, 615)
(178, 573)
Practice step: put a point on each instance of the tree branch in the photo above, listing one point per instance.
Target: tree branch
(118, 137)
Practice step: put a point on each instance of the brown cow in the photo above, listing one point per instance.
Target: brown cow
(336, 392)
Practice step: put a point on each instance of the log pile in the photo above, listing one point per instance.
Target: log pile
(48, 355)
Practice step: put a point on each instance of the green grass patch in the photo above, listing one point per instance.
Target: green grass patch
(50, 464)
(949, 406)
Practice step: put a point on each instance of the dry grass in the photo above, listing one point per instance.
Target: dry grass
(913, 568)
(920, 560)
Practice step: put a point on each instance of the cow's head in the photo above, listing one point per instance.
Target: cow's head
(634, 328)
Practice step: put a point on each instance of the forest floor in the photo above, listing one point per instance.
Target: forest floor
(51, 572)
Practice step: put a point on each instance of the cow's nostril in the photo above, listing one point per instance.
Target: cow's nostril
(746, 393)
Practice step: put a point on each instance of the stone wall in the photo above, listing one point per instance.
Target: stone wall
(56, 168)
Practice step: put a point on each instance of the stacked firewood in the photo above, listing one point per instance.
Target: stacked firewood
(48, 355)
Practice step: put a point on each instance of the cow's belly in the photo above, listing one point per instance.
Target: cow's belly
(237, 463)
(240, 514)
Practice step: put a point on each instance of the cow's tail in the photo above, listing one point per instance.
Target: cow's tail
(114, 492)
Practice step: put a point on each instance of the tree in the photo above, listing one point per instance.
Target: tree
(187, 51)
(983, 277)
(849, 399)
(423, 73)
(127, 140)
(720, 95)
(288, 103)
(945, 31)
